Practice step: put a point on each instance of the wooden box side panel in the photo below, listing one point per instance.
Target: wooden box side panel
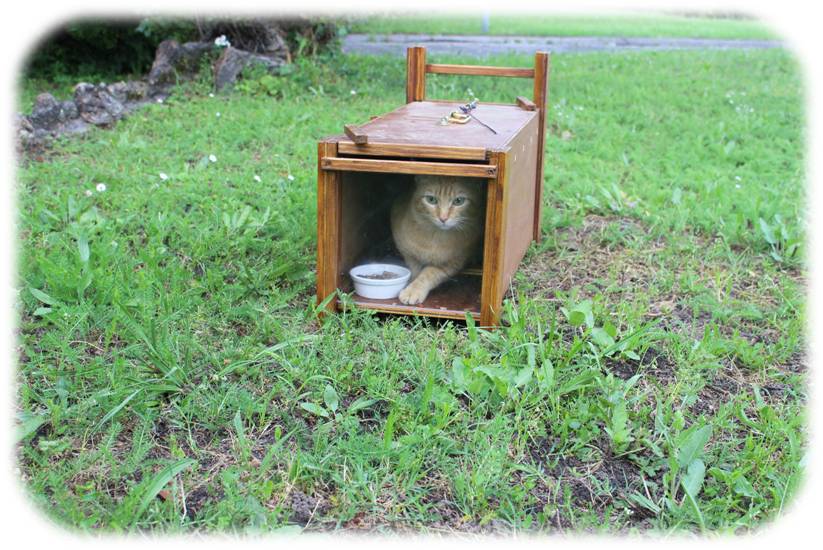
(519, 200)
(329, 199)
(494, 243)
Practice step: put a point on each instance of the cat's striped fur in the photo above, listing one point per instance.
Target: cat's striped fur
(437, 227)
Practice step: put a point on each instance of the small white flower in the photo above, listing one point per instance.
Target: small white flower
(159, 100)
(164, 176)
(737, 186)
(290, 177)
(114, 244)
(101, 187)
(211, 95)
(222, 42)
(737, 178)
(257, 178)
(217, 114)
(354, 92)
(89, 192)
(212, 158)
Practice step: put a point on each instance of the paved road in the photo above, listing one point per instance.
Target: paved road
(395, 44)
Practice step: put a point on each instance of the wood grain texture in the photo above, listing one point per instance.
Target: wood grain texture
(366, 201)
(525, 103)
(328, 226)
(451, 300)
(413, 151)
(408, 167)
(479, 70)
(541, 99)
(415, 74)
(355, 134)
(493, 243)
(418, 123)
(519, 201)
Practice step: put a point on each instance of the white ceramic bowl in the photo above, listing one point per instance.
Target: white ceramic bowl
(380, 289)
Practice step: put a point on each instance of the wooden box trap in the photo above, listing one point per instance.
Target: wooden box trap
(361, 172)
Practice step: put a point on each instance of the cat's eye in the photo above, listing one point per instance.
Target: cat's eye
(459, 201)
(431, 199)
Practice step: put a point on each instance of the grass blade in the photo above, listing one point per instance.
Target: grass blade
(28, 427)
(115, 410)
(160, 480)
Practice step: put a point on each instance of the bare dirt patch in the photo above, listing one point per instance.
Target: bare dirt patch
(590, 486)
(588, 259)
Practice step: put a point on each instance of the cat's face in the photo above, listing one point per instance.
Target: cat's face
(448, 202)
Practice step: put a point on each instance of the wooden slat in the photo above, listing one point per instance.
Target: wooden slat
(493, 243)
(418, 123)
(451, 300)
(412, 310)
(328, 226)
(525, 103)
(479, 70)
(415, 74)
(541, 99)
(355, 134)
(409, 150)
(409, 167)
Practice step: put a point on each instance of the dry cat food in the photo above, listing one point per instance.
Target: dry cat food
(386, 275)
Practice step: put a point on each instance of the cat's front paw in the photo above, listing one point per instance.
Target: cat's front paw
(413, 294)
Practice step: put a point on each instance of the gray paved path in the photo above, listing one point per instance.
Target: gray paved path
(479, 46)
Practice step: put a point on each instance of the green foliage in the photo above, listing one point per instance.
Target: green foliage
(105, 47)
(542, 24)
(782, 241)
(648, 374)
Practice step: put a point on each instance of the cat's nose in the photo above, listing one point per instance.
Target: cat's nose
(443, 218)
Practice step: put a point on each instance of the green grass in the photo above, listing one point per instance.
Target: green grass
(173, 375)
(635, 25)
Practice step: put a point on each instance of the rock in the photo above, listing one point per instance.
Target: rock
(48, 113)
(233, 61)
(136, 90)
(274, 44)
(190, 55)
(171, 60)
(23, 130)
(23, 124)
(126, 92)
(262, 42)
(117, 91)
(96, 105)
(162, 69)
(68, 111)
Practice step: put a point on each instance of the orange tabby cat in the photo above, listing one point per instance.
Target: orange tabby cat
(437, 227)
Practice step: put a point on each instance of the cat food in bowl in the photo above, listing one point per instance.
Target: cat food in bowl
(379, 281)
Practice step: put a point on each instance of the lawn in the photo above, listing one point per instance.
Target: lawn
(652, 25)
(651, 375)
